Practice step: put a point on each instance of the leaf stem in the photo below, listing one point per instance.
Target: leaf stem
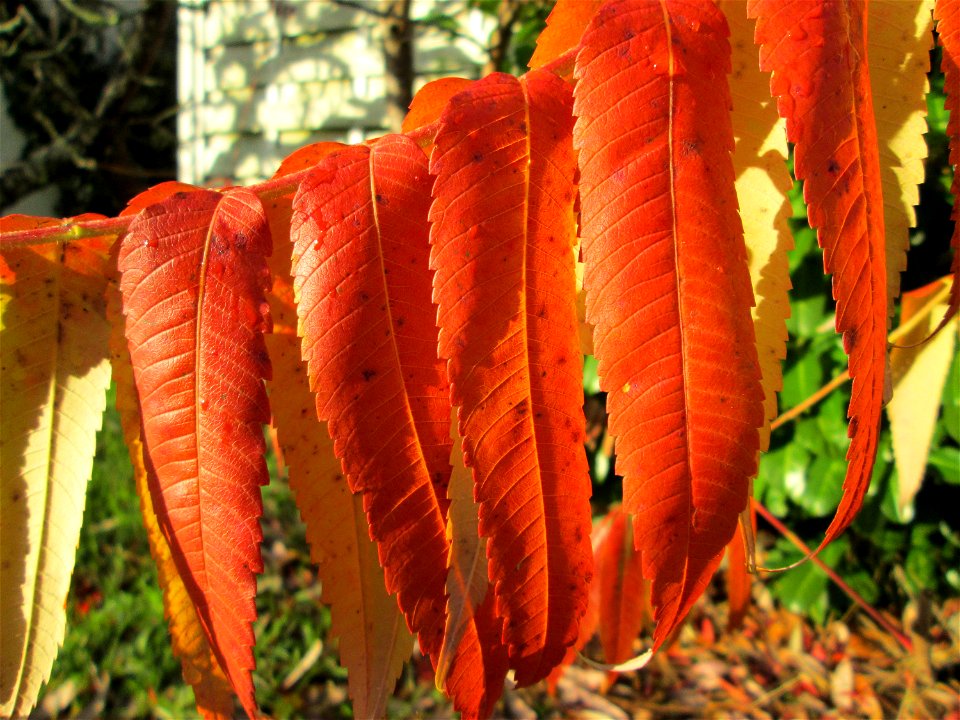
(849, 591)
(70, 230)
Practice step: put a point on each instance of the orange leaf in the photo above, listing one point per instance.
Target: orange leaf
(502, 235)
(361, 276)
(193, 275)
(472, 663)
(739, 581)
(947, 14)
(623, 594)
(306, 157)
(156, 194)
(817, 52)
(430, 100)
(667, 284)
(591, 619)
(565, 25)
(211, 689)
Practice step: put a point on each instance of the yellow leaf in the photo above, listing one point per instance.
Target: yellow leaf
(473, 661)
(899, 39)
(467, 577)
(211, 688)
(759, 160)
(919, 374)
(374, 640)
(55, 373)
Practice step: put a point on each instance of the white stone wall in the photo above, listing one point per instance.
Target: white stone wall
(260, 78)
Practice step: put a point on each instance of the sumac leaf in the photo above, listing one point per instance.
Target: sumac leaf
(363, 286)
(503, 228)
(53, 386)
(667, 284)
(818, 54)
(193, 280)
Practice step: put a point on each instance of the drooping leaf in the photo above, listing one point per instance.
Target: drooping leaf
(565, 24)
(193, 279)
(899, 40)
(363, 286)
(623, 594)
(502, 234)
(919, 374)
(472, 663)
(55, 373)
(947, 13)
(818, 54)
(374, 640)
(667, 284)
(759, 162)
(201, 669)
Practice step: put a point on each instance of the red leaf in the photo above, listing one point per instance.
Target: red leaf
(361, 275)
(817, 52)
(502, 240)
(947, 14)
(623, 594)
(430, 100)
(194, 275)
(156, 194)
(306, 157)
(667, 284)
(565, 25)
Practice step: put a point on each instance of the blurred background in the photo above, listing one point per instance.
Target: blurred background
(104, 98)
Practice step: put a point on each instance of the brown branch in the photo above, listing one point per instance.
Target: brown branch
(507, 14)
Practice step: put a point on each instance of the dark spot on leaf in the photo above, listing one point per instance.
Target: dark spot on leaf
(833, 167)
(368, 374)
(689, 147)
(477, 157)
(218, 245)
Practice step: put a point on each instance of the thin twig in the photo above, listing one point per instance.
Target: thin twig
(840, 379)
(849, 591)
